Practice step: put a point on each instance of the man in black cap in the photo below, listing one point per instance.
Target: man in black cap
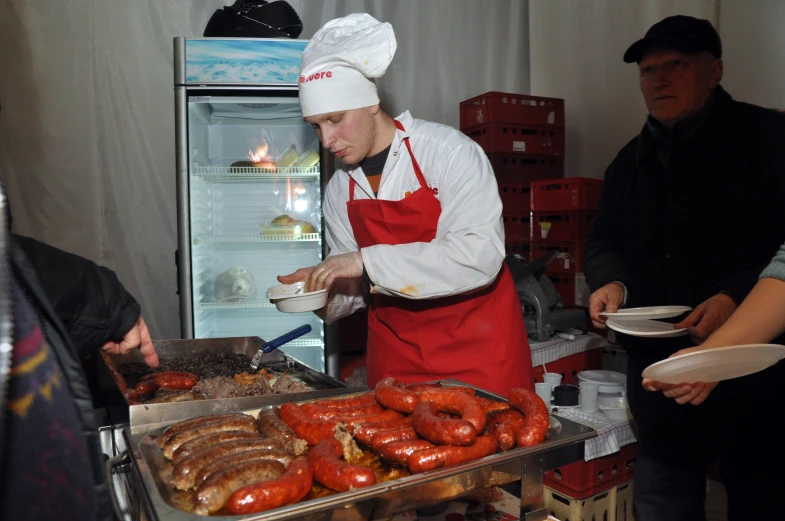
(692, 210)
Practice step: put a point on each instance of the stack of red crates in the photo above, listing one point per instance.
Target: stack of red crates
(562, 211)
(523, 137)
(584, 479)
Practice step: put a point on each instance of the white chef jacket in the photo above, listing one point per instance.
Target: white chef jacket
(468, 251)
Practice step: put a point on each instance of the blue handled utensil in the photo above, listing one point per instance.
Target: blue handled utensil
(272, 345)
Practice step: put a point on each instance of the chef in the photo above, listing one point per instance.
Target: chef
(413, 222)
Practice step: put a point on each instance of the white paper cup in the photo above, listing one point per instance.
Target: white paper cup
(554, 379)
(544, 390)
(589, 391)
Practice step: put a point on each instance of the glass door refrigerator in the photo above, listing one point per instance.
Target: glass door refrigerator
(249, 185)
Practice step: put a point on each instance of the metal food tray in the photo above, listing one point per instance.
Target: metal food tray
(563, 444)
(120, 411)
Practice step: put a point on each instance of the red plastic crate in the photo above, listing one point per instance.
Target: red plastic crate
(572, 193)
(519, 168)
(502, 107)
(588, 477)
(565, 226)
(507, 137)
(516, 198)
(569, 366)
(523, 248)
(516, 228)
(629, 458)
(569, 260)
(604, 486)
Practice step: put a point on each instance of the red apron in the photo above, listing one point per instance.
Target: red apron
(479, 339)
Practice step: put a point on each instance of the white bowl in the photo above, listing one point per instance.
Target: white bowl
(287, 300)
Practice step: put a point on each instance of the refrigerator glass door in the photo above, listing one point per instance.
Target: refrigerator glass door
(255, 213)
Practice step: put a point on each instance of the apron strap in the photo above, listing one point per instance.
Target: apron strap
(415, 165)
(417, 170)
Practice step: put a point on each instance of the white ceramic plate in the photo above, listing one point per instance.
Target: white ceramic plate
(645, 328)
(651, 313)
(714, 365)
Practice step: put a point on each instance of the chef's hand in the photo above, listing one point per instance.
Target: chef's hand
(297, 276)
(694, 393)
(344, 266)
(137, 337)
(606, 299)
(708, 317)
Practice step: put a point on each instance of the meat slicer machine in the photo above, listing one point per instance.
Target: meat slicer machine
(543, 308)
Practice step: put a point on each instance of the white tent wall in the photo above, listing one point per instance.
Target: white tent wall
(87, 120)
(753, 45)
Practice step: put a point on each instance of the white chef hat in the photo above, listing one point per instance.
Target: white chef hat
(341, 61)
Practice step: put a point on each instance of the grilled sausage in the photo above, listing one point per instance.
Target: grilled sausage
(391, 394)
(305, 427)
(179, 380)
(282, 456)
(213, 493)
(458, 402)
(271, 426)
(448, 456)
(416, 388)
(185, 471)
(383, 437)
(384, 416)
(318, 412)
(209, 440)
(241, 423)
(442, 431)
(193, 422)
(490, 406)
(330, 471)
(290, 488)
(505, 425)
(537, 418)
(399, 451)
(363, 432)
(468, 391)
(359, 401)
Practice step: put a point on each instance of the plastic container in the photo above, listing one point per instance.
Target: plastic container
(235, 285)
(287, 299)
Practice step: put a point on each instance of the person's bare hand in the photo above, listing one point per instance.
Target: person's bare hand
(606, 299)
(137, 337)
(694, 393)
(708, 317)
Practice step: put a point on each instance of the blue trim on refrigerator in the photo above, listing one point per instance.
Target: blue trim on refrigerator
(241, 61)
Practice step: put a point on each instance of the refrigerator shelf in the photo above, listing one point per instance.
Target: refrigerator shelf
(303, 237)
(236, 305)
(248, 173)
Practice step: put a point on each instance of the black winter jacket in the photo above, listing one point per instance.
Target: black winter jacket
(681, 220)
(89, 299)
(57, 339)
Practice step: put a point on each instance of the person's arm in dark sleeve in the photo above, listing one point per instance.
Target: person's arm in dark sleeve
(89, 299)
(602, 258)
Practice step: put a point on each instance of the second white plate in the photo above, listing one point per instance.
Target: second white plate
(645, 328)
(650, 313)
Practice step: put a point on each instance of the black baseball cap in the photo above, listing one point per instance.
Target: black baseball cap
(683, 33)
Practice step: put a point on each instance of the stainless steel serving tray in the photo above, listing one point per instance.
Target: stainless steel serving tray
(378, 501)
(120, 411)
